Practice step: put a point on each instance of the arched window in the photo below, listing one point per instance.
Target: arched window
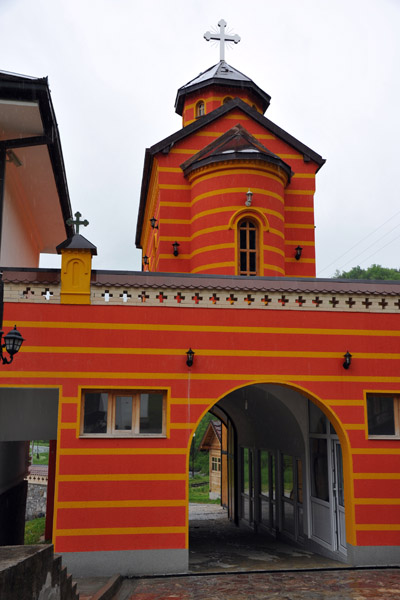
(248, 244)
(200, 109)
(227, 99)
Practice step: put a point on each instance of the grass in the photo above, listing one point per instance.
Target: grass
(42, 460)
(199, 489)
(34, 531)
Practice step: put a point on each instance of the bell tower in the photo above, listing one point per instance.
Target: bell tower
(231, 193)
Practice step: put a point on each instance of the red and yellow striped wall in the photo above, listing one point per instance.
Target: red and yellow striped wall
(197, 211)
(121, 493)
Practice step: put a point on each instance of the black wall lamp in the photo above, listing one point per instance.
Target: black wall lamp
(145, 260)
(175, 246)
(299, 250)
(12, 343)
(347, 360)
(190, 355)
(153, 222)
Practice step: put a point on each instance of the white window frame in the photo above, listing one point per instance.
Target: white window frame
(396, 415)
(134, 432)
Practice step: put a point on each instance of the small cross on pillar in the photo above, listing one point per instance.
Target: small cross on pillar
(222, 38)
(77, 222)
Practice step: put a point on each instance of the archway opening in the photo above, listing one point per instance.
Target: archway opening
(284, 486)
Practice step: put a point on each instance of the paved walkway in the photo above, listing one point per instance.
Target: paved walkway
(332, 585)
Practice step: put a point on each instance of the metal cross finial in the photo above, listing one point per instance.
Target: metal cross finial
(222, 38)
(77, 222)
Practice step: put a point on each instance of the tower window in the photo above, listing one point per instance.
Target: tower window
(227, 99)
(248, 243)
(200, 109)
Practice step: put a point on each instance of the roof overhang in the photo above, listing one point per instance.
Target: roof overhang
(30, 142)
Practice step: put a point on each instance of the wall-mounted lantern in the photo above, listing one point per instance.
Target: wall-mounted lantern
(145, 260)
(175, 246)
(347, 360)
(13, 341)
(190, 356)
(298, 252)
(153, 222)
(249, 198)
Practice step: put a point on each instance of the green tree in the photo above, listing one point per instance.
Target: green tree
(376, 272)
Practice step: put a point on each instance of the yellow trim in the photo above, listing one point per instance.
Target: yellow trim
(235, 117)
(209, 328)
(201, 251)
(303, 176)
(190, 401)
(273, 249)
(297, 243)
(251, 212)
(354, 427)
(375, 451)
(122, 503)
(170, 170)
(172, 186)
(68, 425)
(279, 234)
(300, 226)
(378, 501)
(239, 190)
(273, 268)
(303, 260)
(299, 209)
(264, 136)
(184, 151)
(119, 451)
(290, 155)
(217, 171)
(379, 527)
(120, 531)
(214, 134)
(212, 266)
(376, 476)
(182, 425)
(300, 192)
(123, 477)
(345, 402)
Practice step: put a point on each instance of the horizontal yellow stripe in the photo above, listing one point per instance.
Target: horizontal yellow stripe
(290, 156)
(121, 503)
(204, 401)
(298, 226)
(68, 426)
(264, 136)
(273, 249)
(238, 171)
(344, 402)
(176, 205)
(377, 501)
(67, 400)
(375, 451)
(170, 170)
(184, 151)
(182, 426)
(354, 427)
(378, 527)
(297, 243)
(303, 176)
(273, 268)
(124, 477)
(299, 209)
(120, 531)
(299, 192)
(303, 260)
(214, 134)
(220, 265)
(208, 352)
(239, 190)
(376, 476)
(276, 232)
(119, 451)
(202, 250)
(208, 328)
(170, 186)
(237, 117)
(243, 377)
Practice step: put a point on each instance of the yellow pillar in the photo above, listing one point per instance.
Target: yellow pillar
(76, 267)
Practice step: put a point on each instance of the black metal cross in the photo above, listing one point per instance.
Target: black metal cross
(77, 222)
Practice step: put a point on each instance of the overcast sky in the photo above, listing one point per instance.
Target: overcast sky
(114, 67)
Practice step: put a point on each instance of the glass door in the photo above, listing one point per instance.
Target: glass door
(338, 493)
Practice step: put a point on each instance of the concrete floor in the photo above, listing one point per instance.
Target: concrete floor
(217, 545)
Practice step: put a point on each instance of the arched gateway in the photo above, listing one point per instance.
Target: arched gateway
(284, 467)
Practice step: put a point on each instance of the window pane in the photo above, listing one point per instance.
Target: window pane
(380, 415)
(319, 469)
(252, 239)
(252, 257)
(287, 467)
(288, 517)
(246, 471)
(243, 264)
(317, 419)
(151, 413)
(243, 239)
(123, 412)
(299, 481)
(264, 466)
(95, 412)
